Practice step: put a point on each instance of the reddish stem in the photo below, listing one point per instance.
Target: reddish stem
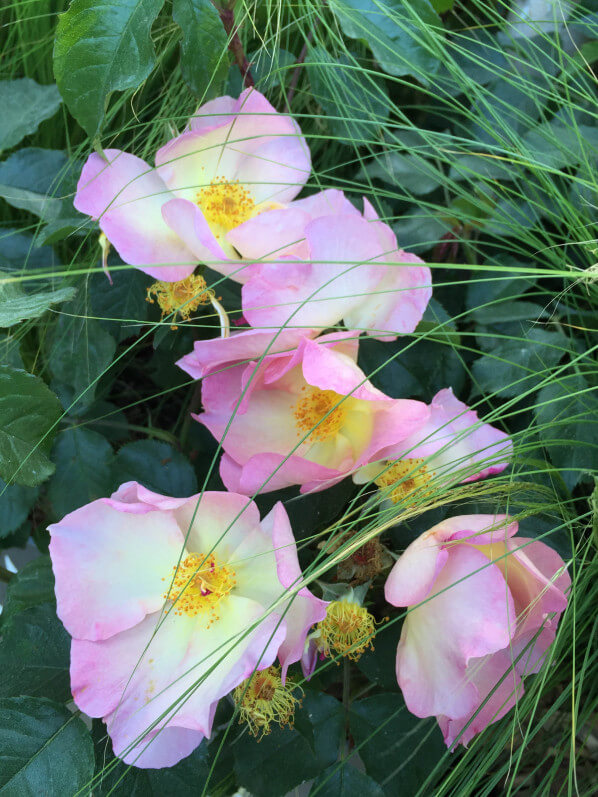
(227, 15)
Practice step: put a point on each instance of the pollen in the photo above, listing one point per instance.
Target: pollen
(180, 298)
(226, 204)
(199, 585)
(316, 412)
(348, 629)
(413, 479)
(263, 699)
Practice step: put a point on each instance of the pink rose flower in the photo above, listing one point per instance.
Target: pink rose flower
(322, 261)
(483, 609)
(303, 416)
(172, 603)
(453, 446)
(235, 159)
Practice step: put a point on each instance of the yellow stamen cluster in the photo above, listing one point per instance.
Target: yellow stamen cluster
(413, 478)
(348, 629)
(263, 699)
(311, 408)
(198, 586)
(182, 297)
(226, 204)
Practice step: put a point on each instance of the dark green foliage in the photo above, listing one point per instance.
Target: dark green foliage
(155, 465)
(28, 414)
(102, 47)
(44, 749)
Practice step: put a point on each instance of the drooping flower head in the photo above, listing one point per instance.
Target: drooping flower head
(304, 416)
(319, 261)
(264, 699)
(235, 159)
(171, 603)
(483, 609)
(453, 445)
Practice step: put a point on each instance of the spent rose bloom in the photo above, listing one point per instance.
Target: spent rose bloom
(321, 261)
(172, 603)
(453, 443)
(483, 604)
(303, 416)
(235, 159)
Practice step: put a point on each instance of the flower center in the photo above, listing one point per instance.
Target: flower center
(412, 475)
(317, 406)
(226, 204)
(182, 297)
(348, 629)
(263, 699)
(199, 585)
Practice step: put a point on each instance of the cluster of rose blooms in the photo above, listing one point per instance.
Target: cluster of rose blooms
(175, 603)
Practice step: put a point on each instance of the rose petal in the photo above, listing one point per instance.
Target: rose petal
(126, 196)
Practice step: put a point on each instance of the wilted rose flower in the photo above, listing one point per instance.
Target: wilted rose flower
(321, 261)
(483, 609)
(172, 603)
(304, 416)
(235, 159)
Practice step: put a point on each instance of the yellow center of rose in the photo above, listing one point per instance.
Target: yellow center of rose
(199, 585)
(226, 204)
(412, 477)
(317, 406)
(348, 629)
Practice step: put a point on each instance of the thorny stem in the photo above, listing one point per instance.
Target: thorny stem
(227, 15)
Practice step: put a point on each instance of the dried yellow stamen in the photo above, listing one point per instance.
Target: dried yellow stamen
(413, 478)
(199, 585)
(348, 629)
(181, 298)
(263, 699)
(369, 560)
(312, 408)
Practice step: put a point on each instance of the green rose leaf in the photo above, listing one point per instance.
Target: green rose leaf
(284, 758)
(24, 105)
(120, 307)
(115, 779)
(44, 749)
(37, 180)
(344, 780)
(17, 306)
(516, 366)
(157, 466)
(567, 413)
(83, 462)
(398, 32)
(35, 654)
(81, 351)
(18, 252)
(28, 411)
(31, 586)
(204, 48)
(398, 749)
(15, 504)
(102, 46)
